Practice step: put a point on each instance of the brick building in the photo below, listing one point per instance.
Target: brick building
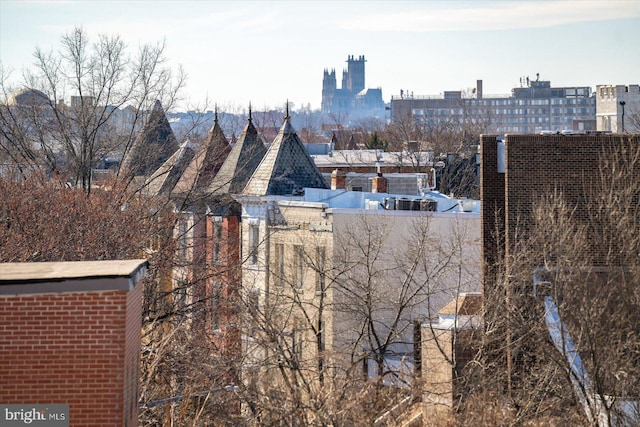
(517, 173)
(516, 170)
(199, 182)
(448, 345)
(70, 334)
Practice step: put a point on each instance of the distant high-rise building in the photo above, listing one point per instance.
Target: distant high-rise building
(534, 107)
(352, 97)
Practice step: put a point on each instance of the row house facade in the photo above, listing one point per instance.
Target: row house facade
(303, 262)
(272, 250)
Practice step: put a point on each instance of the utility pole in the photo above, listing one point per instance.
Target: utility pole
(622, 103)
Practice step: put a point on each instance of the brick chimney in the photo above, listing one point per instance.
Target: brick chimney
(338, 179)
(72, 336)
(379, 184)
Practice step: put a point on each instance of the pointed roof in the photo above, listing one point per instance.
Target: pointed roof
(206, 163)
(285, 168)
(153, 146)
(334, 139)
(165, 178)
(351, 145)
(241, 162)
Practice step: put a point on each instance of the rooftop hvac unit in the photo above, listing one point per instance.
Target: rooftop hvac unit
(403, 204)
(390, 203)
(428, 205)
(466, 205)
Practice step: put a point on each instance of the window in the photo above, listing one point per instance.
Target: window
(299, 266)
(253, 300)
(320, 273)
(217, 239)
(181, 295)
(254, 240)
(296, 346)
(279, 264)
(215, 306)
(182, 237)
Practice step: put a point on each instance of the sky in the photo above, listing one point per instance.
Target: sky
(268, 52)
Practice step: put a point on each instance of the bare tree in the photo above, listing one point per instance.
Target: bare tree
(100, 79)
(560, 343)
(338, 302)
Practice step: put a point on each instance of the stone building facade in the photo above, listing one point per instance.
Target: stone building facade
(618, 108)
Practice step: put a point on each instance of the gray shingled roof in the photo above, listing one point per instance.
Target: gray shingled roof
(153, 146)
(285, 168)
(206, 163)
(240, 163)
(165, 178)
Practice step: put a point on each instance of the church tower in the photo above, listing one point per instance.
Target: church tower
(329, 87)
(344, 99)
(355, 74)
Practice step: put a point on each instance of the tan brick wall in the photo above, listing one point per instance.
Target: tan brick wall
(442, 381)
(437, 372)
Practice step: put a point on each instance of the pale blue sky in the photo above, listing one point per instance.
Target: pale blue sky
(267, 52)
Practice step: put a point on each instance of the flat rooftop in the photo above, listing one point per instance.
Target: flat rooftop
(25, 271)
(16, 278)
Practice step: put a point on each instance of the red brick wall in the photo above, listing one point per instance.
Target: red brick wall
(535, 164)
(545, 163)
(132, 349)
(379, 184)
(492, 194)
(73, 348)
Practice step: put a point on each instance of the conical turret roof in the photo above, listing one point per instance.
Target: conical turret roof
(153, 146)
(240, 163)
(206, 163)
(164, 179)
(285, 168)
